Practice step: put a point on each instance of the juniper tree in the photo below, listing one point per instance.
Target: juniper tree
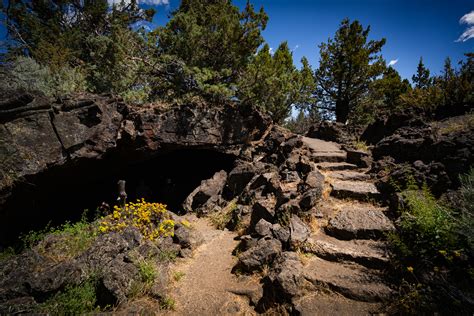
(348, 63)
(422, 79)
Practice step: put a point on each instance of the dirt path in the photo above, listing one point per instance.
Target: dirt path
(207, 280)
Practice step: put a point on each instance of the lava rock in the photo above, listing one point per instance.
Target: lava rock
(208, 189)
(263, 228)
(310, 199)
(281, 233)
(186, 237)
(263, 209)
(299, 231)
(288, 278)
(358, 157)
(263, 253)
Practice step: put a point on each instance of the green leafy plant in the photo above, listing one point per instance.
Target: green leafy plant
(178, 275)
(433, 249)
(64, 242)
(167, 255)
(7, 253)
(167, 303)
(147, 271)
(74, 300)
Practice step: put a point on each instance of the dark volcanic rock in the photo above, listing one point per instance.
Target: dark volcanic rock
(89, 139)
(288, 278)
(360, 158)
(208, 191)
(263, 228)
(263, 253)
(430, 156)
(299, 232)
(329, 131)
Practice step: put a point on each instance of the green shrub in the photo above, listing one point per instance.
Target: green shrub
(147, 271)
(147, 275)
(425, 226)
(74, 300)
(167, 303)
(24, 73)
(167, 255)
(465, 218)
(68, 240)
(434, 250)
(7, 253)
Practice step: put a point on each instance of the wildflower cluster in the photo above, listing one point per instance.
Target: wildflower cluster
(151, 219)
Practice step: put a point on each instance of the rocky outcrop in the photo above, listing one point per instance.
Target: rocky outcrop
(330, 131)
(425, 152)
(113, 259)
(82, 141)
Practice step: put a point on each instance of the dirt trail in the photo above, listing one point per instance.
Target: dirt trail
(205, 288)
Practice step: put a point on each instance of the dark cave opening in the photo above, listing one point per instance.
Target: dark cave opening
(63, 193)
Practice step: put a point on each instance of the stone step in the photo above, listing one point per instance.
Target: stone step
(358, 190)
(369, 253)
(329, 166)
(333, 156)
(359, 223)
(348, 175)
(320, 304)
(316, 145)
(352, 281)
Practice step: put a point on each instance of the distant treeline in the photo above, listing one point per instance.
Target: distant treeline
(212, 51)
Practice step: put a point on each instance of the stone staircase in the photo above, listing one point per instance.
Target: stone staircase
(349, 248)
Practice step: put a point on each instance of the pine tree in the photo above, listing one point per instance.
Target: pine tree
(274, 84)
(214, 40)
(348, 63)
(422, 79)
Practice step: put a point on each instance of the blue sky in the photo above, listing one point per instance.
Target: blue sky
(415, 28)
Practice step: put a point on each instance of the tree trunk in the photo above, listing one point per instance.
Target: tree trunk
(342, 111)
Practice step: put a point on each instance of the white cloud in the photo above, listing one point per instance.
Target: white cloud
(296, 47)
(155, 2)
(393, 62)
(469, 32)
(271, 50)
(149, 2)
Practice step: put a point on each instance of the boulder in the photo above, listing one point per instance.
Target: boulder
(310, 198)
(263, 253)
(263, 228)
(263, 209)
(358, 157)
(209, 189)
(299, 231)
(187, 237)
(238, 179)
(329, 131)
(282, 233)
(288, 277)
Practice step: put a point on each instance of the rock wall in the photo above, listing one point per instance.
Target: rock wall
(85, 135)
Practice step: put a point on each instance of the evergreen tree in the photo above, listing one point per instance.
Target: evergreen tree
(89, 36)
(274, 84)
(214, 40)
(306, 87)
(422, 79)
(383, 97)
(348, 63)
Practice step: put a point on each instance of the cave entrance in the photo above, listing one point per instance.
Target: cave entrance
(62, 194)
